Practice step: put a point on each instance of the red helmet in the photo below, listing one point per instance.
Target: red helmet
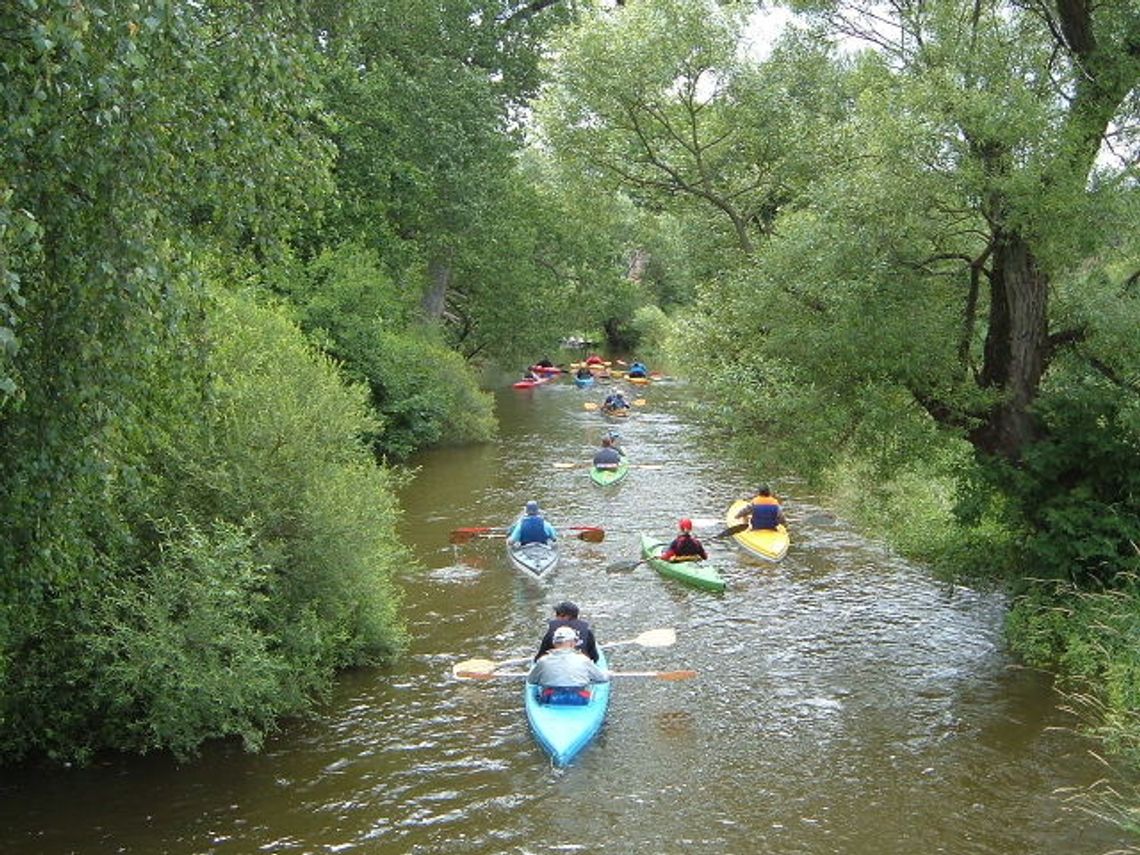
(685, 525)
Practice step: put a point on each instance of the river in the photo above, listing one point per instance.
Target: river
(845, 701)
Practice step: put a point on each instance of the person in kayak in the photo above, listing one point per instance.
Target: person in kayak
(608, 456)
(566, 616)
(594, 359)
(531, 527)
(638, 369)
(763, 510)
(615, 401)
(565, 673)
(584, 373)
(684, 545)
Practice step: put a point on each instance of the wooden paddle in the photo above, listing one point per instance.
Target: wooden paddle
(588, 533)
(650, 638)
(660, 675)
(622, 566)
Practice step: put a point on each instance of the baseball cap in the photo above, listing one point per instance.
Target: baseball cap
(565, 633)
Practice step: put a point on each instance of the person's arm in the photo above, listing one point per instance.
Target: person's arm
(534, 675)
(590, 648)
(701, 550)
(545, 645)
(551, 531)
(745, 511)
(513, 532)
(597, 675)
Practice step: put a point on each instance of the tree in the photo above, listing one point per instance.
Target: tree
(656, 100)
(1022, 96)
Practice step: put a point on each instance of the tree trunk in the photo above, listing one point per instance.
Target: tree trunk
(439, 278)
(1016, 348)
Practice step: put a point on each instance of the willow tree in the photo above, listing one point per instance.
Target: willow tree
(642, 98)
(1021, 98)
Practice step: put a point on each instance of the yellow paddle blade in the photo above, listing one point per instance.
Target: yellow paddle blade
(589, 405)
(639, 402)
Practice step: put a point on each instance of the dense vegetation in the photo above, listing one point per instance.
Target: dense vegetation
(254, 255)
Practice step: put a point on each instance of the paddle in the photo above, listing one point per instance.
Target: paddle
(629, 564)
(590, 405)
(591, 465)
(650, 638)
(660, 675)
(588, 533)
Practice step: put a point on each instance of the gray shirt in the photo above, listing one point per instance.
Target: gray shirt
(565, 668)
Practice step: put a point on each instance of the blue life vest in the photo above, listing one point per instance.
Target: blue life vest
(765, 515)
(532, 530)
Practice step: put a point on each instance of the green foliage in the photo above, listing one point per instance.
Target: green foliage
(423, 392)
(1091, 638)
(212, 564)
(185, 651)
(1076, 494)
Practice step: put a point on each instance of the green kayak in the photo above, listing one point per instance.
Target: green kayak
(699, 574)
(606, 477)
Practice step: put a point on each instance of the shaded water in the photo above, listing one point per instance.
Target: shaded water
(845, 703)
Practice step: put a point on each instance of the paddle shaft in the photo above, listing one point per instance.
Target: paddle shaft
(659, 675)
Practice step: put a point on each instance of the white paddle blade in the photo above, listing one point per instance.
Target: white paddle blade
(658, 637)
(470, 667)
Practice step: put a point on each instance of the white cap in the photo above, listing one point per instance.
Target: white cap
(565, 633)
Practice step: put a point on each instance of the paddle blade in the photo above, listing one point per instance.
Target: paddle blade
(589, 405)
(468, 668)
(639, 402)
(567, 465)
(657, 637)
(624, 566)
(731, 530)
(592, 535)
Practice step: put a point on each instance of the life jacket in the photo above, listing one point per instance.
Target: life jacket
(684, 544)
(765, 512)
(532, 529)
(566, 696)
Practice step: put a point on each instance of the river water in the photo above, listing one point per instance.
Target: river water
(845, 701)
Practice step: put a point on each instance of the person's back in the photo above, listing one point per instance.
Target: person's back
(566, 614)
(565, 668)
(638, 369)
(684, 545)
(764, 510)
(607, 457)
(531, 527)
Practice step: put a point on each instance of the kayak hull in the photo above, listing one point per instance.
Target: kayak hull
(765, 544)
(534, 559)
(584, 382)
(698, 574)
(563, 731)
(609, 477)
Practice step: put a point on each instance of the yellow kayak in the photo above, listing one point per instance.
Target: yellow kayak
(768, 544)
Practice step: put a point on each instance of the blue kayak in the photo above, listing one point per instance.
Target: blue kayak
(563, 731)
(584, 382)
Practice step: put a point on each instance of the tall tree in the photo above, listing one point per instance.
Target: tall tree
(1022, 96)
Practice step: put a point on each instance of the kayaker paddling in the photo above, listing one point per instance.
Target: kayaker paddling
(566, 617)
(565, 674)
(684, 545)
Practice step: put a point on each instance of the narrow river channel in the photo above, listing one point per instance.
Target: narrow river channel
(845, 701)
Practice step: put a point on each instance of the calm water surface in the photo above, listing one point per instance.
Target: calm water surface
(845, 703)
